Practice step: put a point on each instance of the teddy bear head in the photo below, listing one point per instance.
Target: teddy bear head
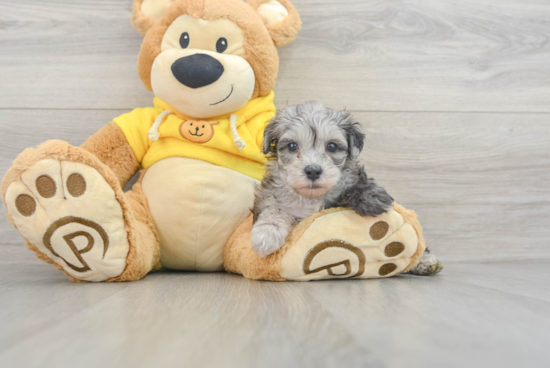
(207, 58)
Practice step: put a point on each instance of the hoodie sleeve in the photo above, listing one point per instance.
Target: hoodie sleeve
(135, 125)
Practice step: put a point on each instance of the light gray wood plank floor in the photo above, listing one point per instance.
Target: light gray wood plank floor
(484, 315)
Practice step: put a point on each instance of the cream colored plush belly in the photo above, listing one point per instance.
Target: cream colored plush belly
(196, 207)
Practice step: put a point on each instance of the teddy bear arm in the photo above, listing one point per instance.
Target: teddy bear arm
(110, 145)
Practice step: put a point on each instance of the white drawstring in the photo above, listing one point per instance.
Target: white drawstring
(154, 134)
(236, 138)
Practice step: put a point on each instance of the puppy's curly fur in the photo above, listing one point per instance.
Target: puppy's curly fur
(313, 165)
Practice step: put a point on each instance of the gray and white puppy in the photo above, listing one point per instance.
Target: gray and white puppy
(313, 166)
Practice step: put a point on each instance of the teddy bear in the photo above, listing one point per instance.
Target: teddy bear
(212, 66)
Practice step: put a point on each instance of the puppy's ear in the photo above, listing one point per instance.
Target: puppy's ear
(270, 139)
(280, 18)
(145, 13)
(356, 138)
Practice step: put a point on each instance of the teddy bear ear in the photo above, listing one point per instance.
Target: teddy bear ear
(280, 18)
(145, 13)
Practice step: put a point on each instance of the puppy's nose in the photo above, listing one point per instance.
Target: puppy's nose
(198, 70)
(313, 172)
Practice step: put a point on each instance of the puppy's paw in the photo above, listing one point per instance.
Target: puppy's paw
(427, 266)
(267, 239)
(374, 204)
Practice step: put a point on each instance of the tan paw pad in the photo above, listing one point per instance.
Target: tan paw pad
(46, 186)
(70, 213)
(379, 230)
(346, 245)
(386, 268)
(25, 204)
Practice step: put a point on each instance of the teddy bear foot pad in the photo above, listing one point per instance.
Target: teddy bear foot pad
(345, 245)
(70, 213)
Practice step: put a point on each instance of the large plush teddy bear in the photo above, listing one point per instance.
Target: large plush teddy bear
(212, 66)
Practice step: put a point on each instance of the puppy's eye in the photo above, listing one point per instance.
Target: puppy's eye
(184, 40)
(332, 147)
(293, 147)
(221, 45)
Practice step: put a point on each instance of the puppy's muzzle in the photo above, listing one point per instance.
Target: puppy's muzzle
(197, 70)
(313, 172)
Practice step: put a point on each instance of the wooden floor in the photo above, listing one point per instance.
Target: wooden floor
(455, 99)
(484, 315)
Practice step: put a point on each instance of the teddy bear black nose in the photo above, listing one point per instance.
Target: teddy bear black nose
(198, 70)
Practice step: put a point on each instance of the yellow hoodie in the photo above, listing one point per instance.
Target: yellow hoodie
(209, 140)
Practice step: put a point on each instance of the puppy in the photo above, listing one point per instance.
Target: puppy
(313, 165)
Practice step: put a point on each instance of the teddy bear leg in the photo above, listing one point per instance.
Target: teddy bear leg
(70, 209)
(334, 244)
(338, 243)
(144, 255)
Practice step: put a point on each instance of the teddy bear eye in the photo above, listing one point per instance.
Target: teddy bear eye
(221, 45)
(184, 40)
